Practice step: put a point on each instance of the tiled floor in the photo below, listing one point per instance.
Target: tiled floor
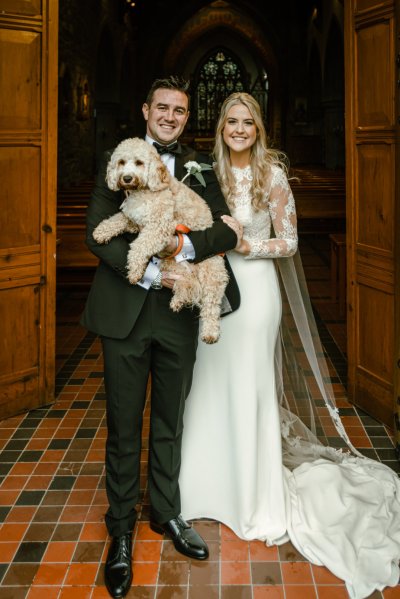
(53, 539)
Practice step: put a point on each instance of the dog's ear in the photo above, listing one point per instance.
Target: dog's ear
(159, 176)
(112, 174)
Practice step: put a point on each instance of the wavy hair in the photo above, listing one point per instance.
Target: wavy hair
(262, 158)
(172, 82)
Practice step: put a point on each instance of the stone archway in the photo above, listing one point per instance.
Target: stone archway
(223, 21)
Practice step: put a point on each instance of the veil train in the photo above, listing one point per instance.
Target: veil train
(343, 509)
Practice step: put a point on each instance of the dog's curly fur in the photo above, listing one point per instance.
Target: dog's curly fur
(155, 204)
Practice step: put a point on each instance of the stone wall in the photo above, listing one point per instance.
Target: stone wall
(83, 26)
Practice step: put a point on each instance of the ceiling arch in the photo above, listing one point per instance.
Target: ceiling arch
(217, 15)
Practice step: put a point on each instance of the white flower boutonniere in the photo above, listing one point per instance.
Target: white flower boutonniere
(195, 169)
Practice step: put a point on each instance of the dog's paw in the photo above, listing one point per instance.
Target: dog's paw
(101, 234)
(134, 273)
(210, 333)
(134, 276)
(176, 304)
(135, 267)
(209, 339)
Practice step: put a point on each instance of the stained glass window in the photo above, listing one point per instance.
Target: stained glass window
(218, 77)
(259, 90)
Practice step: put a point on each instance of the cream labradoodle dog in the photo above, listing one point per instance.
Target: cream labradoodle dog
(154, 205)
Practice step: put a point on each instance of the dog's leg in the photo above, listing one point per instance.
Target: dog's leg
(151, 240)
(187, 289)
(213, 280)
(113, 226)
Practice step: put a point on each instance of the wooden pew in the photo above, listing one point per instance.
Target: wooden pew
(75, 263)
(320, 197)
(320, 203)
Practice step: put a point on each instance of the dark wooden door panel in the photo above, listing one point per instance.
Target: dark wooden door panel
(21, 7)
(28, 100)
(374, 86)
(372, 212)
(20, 56)
(20, 342)
(20, 190)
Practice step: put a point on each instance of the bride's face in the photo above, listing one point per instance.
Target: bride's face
(239, 131)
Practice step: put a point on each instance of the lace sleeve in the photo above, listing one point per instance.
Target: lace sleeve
(283, 216)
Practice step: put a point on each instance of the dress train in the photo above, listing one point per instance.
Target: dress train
(342, 512)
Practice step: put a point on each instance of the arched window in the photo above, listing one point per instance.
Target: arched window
(260, 90)
(218, 76)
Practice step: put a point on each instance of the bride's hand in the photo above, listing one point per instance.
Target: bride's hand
(242, 245)
(234, 225)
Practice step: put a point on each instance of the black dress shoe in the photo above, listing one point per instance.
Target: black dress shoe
(184, 537)
(118, 569)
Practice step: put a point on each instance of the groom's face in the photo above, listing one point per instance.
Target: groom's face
(167, 115)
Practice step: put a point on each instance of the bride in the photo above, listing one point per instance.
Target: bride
(250, 456)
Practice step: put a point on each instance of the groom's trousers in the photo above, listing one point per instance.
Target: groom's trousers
(164, 344)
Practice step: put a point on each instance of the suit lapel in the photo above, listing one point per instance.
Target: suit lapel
(180, 161)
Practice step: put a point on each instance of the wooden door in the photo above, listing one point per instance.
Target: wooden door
(28, 150)
(397, 239)
(372, 210)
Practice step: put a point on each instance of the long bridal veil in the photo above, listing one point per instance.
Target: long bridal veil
(343, 509)
(305, 393)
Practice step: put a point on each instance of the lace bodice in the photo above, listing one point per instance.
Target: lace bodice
(281, 214)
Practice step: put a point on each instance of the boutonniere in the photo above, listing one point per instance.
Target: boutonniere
(195, 169)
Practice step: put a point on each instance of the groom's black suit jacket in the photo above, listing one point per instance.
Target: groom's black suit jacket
(113, 304)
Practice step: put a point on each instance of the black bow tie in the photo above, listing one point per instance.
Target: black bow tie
(174, 148)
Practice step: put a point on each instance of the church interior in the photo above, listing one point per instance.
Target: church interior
(290, 56)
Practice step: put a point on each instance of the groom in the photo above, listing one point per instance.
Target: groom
(142, 336)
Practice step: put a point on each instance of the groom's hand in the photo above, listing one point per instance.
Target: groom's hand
(168, 279)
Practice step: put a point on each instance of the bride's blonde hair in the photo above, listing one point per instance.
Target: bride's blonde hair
(261, 158)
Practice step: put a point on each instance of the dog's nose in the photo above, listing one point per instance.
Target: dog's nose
(127, 178)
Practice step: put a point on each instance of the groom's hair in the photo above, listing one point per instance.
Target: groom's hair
(172, 82)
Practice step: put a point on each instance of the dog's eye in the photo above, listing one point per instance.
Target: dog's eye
(121, 162)
(139, 162)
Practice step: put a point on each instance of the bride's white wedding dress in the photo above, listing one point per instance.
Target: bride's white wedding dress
(342, 514)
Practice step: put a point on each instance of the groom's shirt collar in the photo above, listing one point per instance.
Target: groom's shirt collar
(168, 159)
